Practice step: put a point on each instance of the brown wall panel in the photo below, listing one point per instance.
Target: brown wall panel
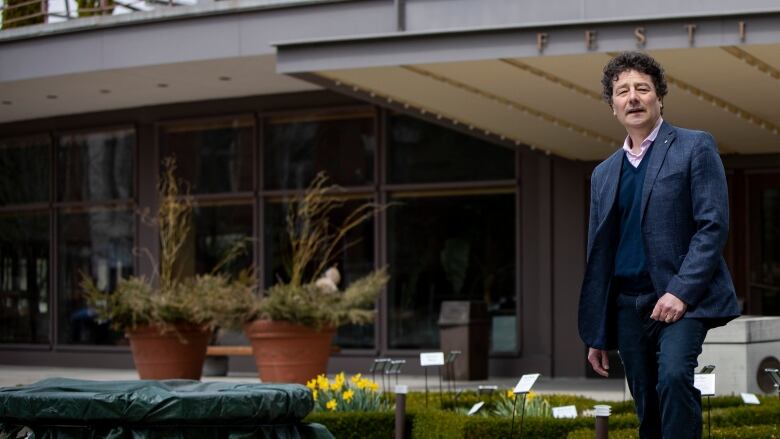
(536, 255)
(569, 241)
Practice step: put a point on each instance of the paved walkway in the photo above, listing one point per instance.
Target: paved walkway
(600, 389)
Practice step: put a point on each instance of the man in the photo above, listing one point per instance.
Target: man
(655, 280)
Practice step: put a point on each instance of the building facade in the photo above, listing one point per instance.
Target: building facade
(477, 122)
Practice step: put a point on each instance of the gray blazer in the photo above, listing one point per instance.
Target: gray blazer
(684, 223)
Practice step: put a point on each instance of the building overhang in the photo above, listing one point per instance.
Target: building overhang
(539, 85)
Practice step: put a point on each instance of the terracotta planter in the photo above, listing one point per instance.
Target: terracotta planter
(288, 353)
(164, 356)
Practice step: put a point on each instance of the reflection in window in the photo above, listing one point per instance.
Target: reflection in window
(218, 229)
(421, 152)
(341, 144)
(450, 248)
(98, 243)
(766, 282)
(213, 156)
(355, 260)
(96, 166)
(24, 170)
(24, 278)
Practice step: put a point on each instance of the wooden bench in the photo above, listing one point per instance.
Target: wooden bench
(244, 350)
(229, 351)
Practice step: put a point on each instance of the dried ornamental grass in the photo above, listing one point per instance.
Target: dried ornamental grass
(311, 296)
(169, 297)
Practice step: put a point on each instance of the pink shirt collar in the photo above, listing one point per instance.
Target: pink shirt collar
(636, 159)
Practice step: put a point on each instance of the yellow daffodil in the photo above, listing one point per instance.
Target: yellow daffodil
(338, 382)
(373, 386)
(331, 405)
(356, 378)
(362, 383)
(322, 382)
(311, 384)
(510, 394)
(346, 396)
(314, 394)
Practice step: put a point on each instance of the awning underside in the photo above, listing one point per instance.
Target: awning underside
(553, 103)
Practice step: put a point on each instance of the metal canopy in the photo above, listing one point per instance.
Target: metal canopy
(541, 86)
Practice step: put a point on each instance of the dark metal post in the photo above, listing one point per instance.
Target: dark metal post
(441, 393)
(380, 364)
(514, 409)
(400, 15)
(425, 369)
(709, 415)
(602, 421)
(400, 411)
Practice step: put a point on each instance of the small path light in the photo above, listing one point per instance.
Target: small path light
(602, 421)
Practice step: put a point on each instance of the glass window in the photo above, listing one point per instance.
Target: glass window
(355, 260)
(450, 247)
(213, 156)
(24, 170)
(421, 152)
(218, 228)
(340, 144)
(96, 166)
(24, 278)
(96, 242)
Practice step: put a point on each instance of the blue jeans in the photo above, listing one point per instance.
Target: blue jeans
(659, 360)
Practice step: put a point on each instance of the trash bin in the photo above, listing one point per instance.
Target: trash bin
(463, 326)
(68, 408)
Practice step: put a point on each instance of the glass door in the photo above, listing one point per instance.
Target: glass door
(764, 244)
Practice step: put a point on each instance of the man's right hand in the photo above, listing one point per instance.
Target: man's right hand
(599, 361)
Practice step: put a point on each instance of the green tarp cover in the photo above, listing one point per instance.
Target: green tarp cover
(65, 408)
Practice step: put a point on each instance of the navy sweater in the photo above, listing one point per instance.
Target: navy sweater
(630, 260)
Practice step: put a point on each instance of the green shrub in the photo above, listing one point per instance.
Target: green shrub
(532, 427)
(581, 402)
(747, 432)
(435, 424)
(588, 433)
(416, 400)
(621, 407)
(765, 414)
(744, 432)
(88, 8)
(14, 14)
(732, 418)
(466, 399)
(358, 425)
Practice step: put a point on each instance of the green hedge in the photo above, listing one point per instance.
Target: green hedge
(729, 414)
(745, 432)
(416, 401)
(435, 424)
(768, 414)
(359, 425)
(587, 433)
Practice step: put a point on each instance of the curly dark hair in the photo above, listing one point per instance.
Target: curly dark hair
(641, 62)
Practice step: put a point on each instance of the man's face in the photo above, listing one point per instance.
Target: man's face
(634, 101)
